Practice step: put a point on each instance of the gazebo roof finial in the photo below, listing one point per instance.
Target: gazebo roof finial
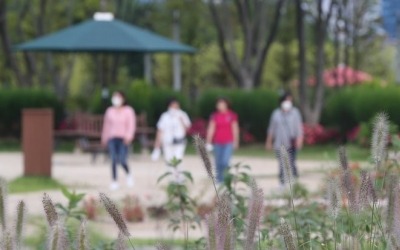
(103, 16)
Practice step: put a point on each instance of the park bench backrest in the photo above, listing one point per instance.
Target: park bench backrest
(90, 125)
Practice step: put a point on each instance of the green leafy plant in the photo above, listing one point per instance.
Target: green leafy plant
(71, 210)
(236, 184)
(181, 207)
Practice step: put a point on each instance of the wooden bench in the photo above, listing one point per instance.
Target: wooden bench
(86, 130)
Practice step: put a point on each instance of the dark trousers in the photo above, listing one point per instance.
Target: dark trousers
(118, 153)
(293, 165)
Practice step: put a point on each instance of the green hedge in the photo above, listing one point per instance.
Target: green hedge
(253, 107)
(354, 105)
(13, 101)
(143, 98)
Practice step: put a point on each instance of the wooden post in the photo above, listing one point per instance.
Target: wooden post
(37, 140)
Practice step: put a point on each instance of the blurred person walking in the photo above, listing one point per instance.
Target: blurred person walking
(285, 130)
(118, 133)
(223, 136)
(172, 128)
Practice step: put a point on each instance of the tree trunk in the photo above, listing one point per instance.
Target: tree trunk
(5, 41)
(302, 85)
(247, 80)
(311, 105)
(257, 38)
(320, 66)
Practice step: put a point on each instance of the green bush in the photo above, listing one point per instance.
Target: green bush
(143, 98)
(364, 137)
(13, 101)
(354, 105)
(254, 108)
(159, 100)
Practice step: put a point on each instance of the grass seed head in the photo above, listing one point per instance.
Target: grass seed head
(380, 138)
(211, 228)
(254, 214)
(162, 246)
(367, 193)
(115, 214)
(50, 210)
(3, 203)
(58, 239)
(286, 233)
(120, 244)
(19, 225)
(82, 237)
(285, 158)
(223, 221)
(334, 197)
(343, 161)
(395, 225)
(7, 241)
(202, 151)
(349, 188)
(391, 204)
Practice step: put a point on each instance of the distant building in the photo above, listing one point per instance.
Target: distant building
(391, 17)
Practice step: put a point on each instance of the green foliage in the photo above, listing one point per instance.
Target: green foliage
(366, 128)
(351, 106)
(71, 210)
(33, 184)
(159, 100)
(254, 108)
(143, 98)
(236, 182)
(13, 101)
(180, 205)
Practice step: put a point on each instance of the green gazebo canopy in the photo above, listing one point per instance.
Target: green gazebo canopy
(104, 35)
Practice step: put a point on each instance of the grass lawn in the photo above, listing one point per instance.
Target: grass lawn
(318, 152)
(33, 184)
(14, 145)
(321, 152)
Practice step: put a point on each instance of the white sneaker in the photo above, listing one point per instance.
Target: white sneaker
(129, 181)
(114, 186)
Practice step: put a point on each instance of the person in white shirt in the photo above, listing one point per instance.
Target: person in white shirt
(171, 134)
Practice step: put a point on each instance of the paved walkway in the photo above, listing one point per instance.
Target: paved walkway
(77, 172)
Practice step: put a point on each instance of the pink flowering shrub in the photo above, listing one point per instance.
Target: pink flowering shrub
(317, 134)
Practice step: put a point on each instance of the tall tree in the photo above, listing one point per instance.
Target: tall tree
(312, 98)
(257, 32)
(11, 61)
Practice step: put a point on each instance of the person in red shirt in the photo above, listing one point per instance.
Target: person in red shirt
(223, 136)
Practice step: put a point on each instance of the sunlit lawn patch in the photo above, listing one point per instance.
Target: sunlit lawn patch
(33, 184)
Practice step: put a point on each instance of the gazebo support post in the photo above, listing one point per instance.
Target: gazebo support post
(176, 58)
(398, 48)
(177, 72)
(148, 68)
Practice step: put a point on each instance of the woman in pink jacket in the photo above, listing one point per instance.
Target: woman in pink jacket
(118, 133)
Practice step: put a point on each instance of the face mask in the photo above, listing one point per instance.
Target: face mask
(173, 111)
(286, 105)
(116, 101)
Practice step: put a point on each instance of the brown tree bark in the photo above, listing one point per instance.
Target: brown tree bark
(312, 104)
(257, 35)
(6, 44)
(30, 66)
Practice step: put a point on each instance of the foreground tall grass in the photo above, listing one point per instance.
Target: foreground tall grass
(361, 211)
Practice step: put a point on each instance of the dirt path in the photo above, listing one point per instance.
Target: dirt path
(77, 172)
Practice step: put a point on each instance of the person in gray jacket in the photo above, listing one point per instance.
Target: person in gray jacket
(285, 129)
